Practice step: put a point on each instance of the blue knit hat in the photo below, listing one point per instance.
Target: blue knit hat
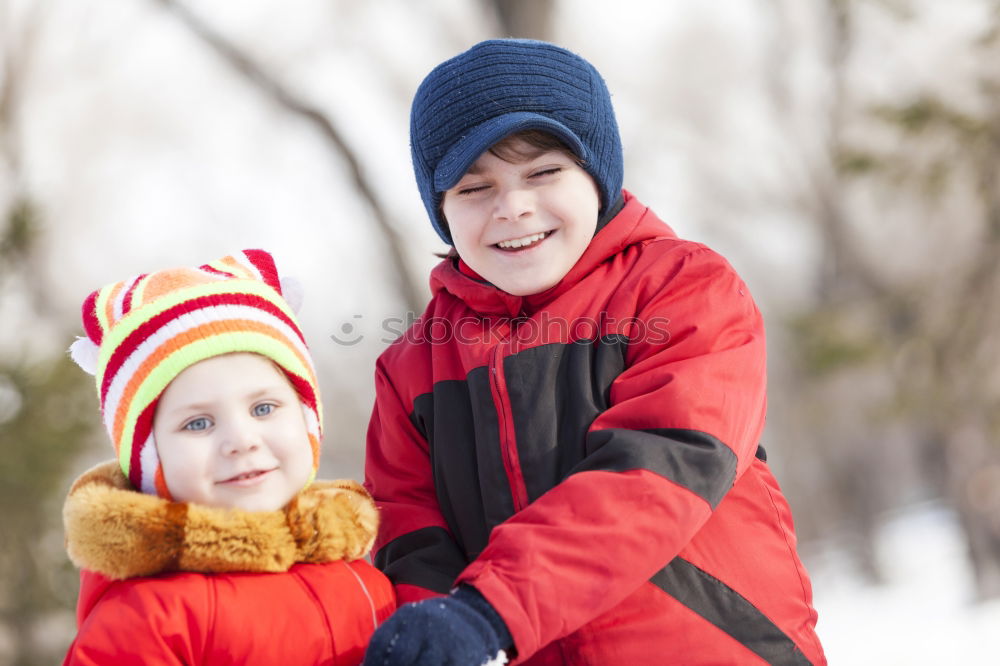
(502, 86)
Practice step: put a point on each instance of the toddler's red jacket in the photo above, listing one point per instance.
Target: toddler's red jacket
(169, 583)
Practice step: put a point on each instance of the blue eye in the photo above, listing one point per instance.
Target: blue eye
(198, 424)
(263, 409)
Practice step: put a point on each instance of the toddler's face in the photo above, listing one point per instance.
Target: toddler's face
(230, 432)
(522, 226)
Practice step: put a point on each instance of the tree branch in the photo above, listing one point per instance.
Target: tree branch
(255, 74)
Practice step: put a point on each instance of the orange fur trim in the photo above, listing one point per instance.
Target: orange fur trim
(113, 529)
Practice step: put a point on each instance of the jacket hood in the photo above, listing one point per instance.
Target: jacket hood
(634, 224)
(113, 529)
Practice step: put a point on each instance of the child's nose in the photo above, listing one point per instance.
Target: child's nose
(513, 203)
(241, 436)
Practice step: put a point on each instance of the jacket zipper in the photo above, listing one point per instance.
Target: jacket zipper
(508, 440)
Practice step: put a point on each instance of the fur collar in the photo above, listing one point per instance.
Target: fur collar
(113, 529)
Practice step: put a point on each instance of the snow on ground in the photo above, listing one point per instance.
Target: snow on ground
(923, 614)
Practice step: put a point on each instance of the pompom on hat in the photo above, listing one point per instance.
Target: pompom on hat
(502, 86)
(144, 331)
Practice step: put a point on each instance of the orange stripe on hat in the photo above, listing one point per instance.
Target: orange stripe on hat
(109, 305)
(165, 282)
(314, 443)
(161, 484)
(238, 267)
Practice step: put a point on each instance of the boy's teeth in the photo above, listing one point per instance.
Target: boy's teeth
(521, 242)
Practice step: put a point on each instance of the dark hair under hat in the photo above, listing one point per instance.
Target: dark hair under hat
(502, 86)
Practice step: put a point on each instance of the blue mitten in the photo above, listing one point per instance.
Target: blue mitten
(461, 629)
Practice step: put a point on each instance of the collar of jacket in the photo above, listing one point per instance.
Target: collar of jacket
(121, 533)
(634, 224)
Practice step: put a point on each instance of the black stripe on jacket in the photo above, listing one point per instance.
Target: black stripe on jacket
(460, 423)
(556, 391)
(427, 557)
(730, 611)
(690, 458)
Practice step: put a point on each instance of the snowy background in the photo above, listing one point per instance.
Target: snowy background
(925, 612)
(141, 147)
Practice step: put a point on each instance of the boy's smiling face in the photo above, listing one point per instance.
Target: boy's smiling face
(230, 432)
(522, 225)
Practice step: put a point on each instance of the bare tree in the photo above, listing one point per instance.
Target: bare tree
(828, 380)
(952, 385)
(883, 351)
(253, 72)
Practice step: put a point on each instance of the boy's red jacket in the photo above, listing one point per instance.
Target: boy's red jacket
(588, 458)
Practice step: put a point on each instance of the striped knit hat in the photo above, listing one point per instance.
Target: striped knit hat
(500, 87)
(144, 331)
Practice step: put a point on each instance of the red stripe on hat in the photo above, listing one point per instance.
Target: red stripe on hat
(127, 299)
(264, 263)
(143, 426)
(303, 388)
(147, 328)
(91, 324)
(216, 271)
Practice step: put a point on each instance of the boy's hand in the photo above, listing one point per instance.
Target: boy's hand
(461, 629)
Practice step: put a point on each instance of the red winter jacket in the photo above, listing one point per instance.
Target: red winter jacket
(309, 600)
(311, 614)
(588, 459)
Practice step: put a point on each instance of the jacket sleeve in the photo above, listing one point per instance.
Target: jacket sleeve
(414, 548)
(683, 423)
(132, 625)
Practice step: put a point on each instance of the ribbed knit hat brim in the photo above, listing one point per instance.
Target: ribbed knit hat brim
(467, 150)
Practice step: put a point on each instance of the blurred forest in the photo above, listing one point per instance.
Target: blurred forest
(843, 154)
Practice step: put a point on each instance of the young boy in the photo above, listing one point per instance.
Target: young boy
(565, 445)
(207, 540)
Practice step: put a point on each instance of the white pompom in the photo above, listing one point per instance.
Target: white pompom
(293, 292)
(84, 352)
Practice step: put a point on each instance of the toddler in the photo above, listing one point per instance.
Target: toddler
(207, 540)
